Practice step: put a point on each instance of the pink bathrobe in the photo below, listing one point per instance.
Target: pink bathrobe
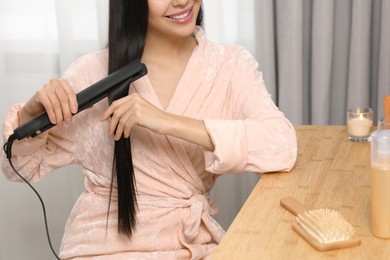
(222, 86)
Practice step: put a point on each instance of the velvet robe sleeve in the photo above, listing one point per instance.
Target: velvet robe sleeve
(259, 138)
(36, 157)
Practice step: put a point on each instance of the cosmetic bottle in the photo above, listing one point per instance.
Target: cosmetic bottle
(380, 183)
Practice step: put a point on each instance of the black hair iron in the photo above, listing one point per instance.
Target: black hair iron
(85, 98)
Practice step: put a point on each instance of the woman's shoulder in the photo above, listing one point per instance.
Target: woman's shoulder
(222, 51)
(231, 56)
(93, 60)
(87, 69)
(233, 51)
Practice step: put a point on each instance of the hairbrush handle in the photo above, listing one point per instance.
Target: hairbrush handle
(293, 205)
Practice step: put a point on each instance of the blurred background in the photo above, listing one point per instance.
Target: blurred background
(318, 58)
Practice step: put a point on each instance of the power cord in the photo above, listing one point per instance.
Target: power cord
(7, 149)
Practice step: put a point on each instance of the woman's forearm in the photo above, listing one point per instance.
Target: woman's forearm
(191, 130)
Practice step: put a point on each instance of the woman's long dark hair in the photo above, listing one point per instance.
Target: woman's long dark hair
(128, 23)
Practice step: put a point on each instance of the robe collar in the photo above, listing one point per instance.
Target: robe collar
(189, 81)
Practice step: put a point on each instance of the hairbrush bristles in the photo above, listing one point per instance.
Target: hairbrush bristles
(326, 225)
(324, 229)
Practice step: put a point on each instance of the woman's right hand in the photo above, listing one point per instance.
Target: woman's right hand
(56, 98)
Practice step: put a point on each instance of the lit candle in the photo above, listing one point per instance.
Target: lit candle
(359, 126)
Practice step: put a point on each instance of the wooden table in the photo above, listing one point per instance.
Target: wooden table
(331, 172)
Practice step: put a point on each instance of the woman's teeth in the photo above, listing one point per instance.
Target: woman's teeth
(179, 17)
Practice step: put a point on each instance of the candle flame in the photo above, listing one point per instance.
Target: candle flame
(361, 116)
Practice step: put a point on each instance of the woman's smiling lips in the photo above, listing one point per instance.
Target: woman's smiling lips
(182, 17)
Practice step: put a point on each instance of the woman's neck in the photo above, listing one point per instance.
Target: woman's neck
(159, 48)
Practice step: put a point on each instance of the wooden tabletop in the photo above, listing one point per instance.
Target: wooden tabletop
(331, 172)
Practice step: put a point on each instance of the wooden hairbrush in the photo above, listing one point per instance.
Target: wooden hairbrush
(324, 229)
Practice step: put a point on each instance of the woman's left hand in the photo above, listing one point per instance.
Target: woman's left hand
(134, 110)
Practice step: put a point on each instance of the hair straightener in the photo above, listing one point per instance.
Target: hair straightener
(85, 98)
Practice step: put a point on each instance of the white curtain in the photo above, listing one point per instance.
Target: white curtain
(38, 41)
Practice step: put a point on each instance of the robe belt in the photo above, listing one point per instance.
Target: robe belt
(200, 208)
(199, 205)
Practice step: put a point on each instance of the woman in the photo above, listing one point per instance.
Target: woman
(201, 111)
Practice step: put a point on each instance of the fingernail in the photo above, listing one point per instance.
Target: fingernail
(74, 109)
